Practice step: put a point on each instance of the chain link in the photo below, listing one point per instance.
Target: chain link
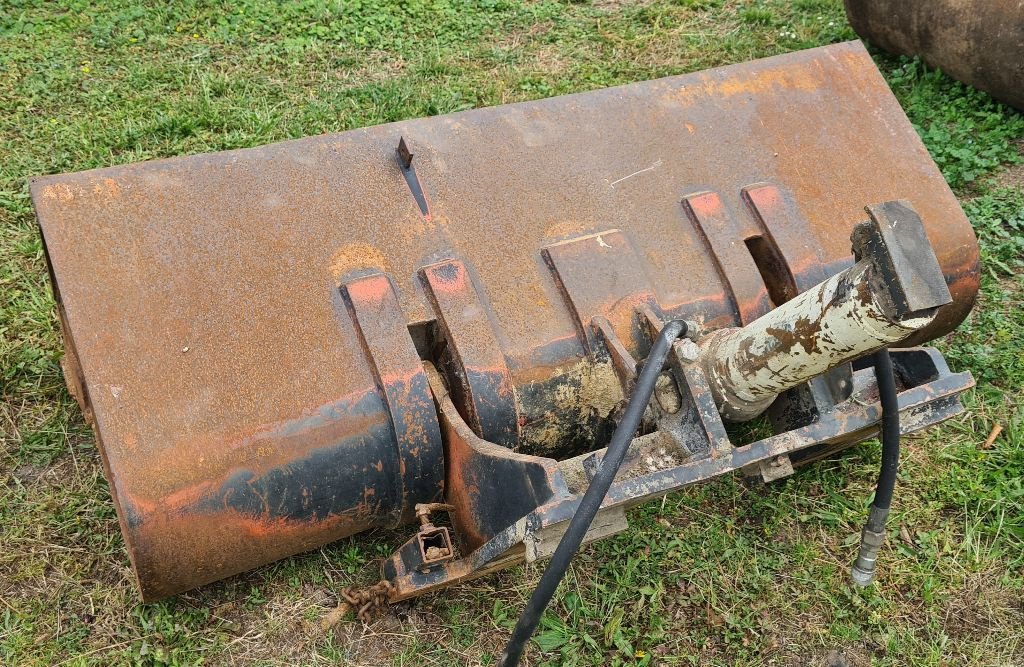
(367, 600)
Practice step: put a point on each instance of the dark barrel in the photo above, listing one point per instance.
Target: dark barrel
(979, 42)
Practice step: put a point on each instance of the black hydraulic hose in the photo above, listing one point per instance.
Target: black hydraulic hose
(890, 429)
(873, 535)
(594, 496)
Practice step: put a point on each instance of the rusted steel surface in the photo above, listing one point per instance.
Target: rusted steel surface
(417, 463)
(726, 236)
(489, 486)
(479, 375)
(623, 363)
(978, 42)
(244, 413)
(788, 248)
(600, 275)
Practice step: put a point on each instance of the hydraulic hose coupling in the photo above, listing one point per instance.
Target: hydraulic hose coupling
(871, 540)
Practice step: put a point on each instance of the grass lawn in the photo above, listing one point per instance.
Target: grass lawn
(719, 574)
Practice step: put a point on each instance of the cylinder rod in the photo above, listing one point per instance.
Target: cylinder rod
(839, 320)
(893, 290)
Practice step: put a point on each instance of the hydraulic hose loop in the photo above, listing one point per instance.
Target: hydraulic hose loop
(873, 535)
(594, 495)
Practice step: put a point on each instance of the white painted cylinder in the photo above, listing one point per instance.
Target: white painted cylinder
(839, 320)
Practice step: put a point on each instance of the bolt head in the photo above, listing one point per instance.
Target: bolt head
(687, 350)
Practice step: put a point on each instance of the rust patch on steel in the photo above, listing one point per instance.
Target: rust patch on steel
(600, 275)
(725, 236)
(353, 257)
(795, 257)
(383, 333)
(472, 467)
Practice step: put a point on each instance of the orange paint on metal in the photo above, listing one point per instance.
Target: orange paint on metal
(372, 289)
(480, 379)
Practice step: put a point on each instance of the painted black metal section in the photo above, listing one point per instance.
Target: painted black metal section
(416, 459)
(904, 257)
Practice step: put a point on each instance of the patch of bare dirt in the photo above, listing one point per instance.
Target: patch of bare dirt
(1011, 177)
(851, 656)
(613, 5)
(980, 607)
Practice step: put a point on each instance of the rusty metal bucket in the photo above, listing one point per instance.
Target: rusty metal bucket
(247, 330)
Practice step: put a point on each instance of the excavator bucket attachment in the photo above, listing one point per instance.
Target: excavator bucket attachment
(286, 345)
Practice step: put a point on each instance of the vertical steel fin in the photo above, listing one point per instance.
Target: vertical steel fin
(601, 275)
(384, 335)
(725, 236)
(485, 382)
